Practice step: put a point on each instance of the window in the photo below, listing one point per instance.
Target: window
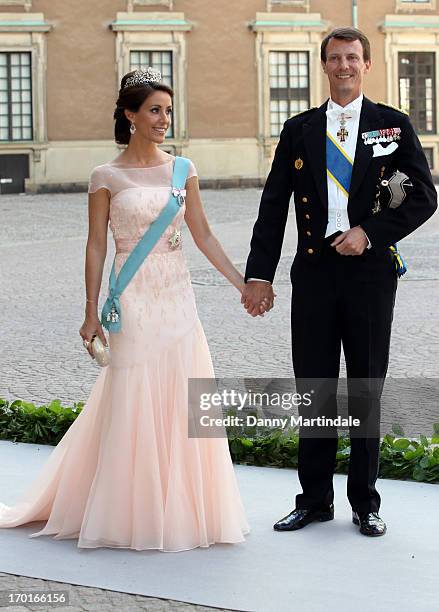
(26, 3)
(160, 60)
(289, 86)
(417, 84)
(413, 5)
(430, 157)
(15, 97)
(295, 3)
(132, 3)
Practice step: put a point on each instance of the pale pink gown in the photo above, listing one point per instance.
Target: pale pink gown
(126, 474)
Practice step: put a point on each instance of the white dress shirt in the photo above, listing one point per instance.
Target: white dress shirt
(338, 220)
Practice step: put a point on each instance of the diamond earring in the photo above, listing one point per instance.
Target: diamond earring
(132, 128)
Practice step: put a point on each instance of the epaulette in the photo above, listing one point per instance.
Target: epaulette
(393, 107)
(308, 110)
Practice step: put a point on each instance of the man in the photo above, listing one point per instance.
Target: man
(344, 275)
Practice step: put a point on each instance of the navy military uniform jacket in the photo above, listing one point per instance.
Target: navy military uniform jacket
(299, 166)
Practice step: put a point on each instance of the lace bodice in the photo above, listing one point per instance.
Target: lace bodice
(138, 195)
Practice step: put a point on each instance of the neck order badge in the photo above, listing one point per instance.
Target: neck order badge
(343, 133)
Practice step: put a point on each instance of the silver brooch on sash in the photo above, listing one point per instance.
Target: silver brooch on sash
(180, 194)
(175, 239)
(113, 315)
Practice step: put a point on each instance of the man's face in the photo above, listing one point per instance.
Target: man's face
(345, 67)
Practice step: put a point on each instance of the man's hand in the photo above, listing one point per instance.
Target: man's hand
(257, 297)
(352, 242)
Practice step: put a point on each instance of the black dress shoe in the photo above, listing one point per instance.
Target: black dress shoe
(370, 523)
(300, 517)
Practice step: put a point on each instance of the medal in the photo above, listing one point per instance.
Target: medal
(384, 135)
(342, 134)
(180, 195)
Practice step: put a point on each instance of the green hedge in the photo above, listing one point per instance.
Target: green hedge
(24, 422)
(401, 457)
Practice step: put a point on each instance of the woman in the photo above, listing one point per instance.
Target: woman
(126, 474)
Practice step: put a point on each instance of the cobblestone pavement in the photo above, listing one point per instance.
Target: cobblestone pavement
(91, 599)
(42, 248)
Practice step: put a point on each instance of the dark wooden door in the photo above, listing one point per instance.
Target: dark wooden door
(13, 170)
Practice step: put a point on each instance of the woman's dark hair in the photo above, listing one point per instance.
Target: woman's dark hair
(132, 99)
(346, 34)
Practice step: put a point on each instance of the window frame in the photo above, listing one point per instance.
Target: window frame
(288, 88)
(157, 32)
(9, 77)
(429, 155)
(288, 3)
(178, 116)
(414, 117)
(19, 38)
(132, 3)
(27, 4)
(407, 33)
(288, 31)
(38, 99)
(315, 81)
(403, 6)
(176, 101)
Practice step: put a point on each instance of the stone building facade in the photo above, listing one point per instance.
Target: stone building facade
(239, 70)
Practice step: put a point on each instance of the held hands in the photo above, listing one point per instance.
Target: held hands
(257, 297)
(352, 242)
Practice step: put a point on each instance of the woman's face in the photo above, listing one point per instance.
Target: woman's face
(153, 117)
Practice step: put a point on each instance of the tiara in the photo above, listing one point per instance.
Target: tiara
(142, 77)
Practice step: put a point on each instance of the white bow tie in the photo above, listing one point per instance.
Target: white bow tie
(335, 114)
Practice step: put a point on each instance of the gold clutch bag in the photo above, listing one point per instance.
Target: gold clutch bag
(100, 352)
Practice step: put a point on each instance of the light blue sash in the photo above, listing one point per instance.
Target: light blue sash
(338, 165)
(111, 316)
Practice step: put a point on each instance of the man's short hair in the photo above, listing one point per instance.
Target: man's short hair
(346, 34)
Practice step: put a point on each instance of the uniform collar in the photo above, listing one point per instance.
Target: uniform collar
(354, 105)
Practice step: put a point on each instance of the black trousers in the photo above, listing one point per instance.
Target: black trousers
(344, 301)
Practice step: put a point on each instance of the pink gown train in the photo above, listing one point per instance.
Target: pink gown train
(126, 474)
